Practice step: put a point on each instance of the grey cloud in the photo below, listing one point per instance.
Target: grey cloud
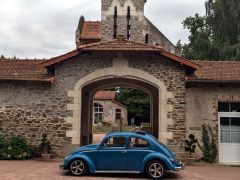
(46, 28)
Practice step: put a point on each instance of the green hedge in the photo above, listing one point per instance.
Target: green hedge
(14, 148)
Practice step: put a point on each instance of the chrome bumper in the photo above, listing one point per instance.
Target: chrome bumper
(181, 167)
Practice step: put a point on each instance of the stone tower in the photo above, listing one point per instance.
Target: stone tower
(123, 17)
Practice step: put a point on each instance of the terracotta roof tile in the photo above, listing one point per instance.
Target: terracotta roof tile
(120, 44)
(105, 95)
(25, 70)
(217, 70)
(58, 59)
(91, 30)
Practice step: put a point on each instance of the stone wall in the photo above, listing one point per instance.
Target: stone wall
(156, 37)
(173, 77)
(202, 106)
(29, 109)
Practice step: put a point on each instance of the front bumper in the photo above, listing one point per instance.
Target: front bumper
(181, 167)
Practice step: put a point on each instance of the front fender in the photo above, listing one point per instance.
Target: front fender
(158, 156)
(91, 165)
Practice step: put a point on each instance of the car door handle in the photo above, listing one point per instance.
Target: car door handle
(124, 152)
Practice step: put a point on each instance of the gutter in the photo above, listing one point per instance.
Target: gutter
(213, 81)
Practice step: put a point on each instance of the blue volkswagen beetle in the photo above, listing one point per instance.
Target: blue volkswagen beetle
(129, 152)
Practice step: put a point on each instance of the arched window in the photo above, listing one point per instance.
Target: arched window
(97, 113)
(146, 39)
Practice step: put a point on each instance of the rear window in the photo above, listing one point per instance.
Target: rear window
(135, 142)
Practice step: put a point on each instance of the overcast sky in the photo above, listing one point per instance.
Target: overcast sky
(46, 28)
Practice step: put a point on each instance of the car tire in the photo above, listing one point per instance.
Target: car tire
(155, 169)
(78, 167)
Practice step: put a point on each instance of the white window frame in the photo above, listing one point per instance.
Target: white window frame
(227, 115)
(99, 106)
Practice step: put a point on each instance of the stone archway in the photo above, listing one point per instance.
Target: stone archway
(89, 90)
(120, 70)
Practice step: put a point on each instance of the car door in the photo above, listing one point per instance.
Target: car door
(138, 149)
(112, 154)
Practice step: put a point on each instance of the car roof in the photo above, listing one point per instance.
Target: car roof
(138, 134)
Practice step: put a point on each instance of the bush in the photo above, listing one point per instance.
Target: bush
(14, 148)
(3, 147)
(209, 147)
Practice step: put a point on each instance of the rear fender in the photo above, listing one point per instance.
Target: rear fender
(157, 156)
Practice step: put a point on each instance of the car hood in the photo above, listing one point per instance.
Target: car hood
(86, 148)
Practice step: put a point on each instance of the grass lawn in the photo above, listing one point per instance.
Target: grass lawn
(108, 129)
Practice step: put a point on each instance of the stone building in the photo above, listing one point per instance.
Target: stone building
(108, 111)
(55, 96)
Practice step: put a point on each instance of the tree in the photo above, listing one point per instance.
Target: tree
(217, 34)
(137, 102)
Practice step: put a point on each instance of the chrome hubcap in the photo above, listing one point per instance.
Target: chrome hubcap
(77, 167)
(156, 170)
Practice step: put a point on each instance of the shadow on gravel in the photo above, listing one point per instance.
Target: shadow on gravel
(169, 175)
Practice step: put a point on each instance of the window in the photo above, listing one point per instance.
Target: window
(230, 130)
(146, 38)
(118, 113)
(229, 107)
(128, 22)
(135, 142)
(98, 113)
(114, 142)
(115, 22)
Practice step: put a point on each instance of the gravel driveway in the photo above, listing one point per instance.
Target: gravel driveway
(36, 170)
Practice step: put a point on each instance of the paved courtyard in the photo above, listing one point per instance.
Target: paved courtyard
(36, 170)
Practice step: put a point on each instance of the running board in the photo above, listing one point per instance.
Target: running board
(132, 172)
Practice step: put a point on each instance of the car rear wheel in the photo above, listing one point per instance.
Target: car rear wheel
(155, 169)
(78, 168)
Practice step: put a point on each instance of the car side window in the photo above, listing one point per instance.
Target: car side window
(135, 142)
(114, 142)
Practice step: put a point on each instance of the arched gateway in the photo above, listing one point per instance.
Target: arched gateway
(120, 62)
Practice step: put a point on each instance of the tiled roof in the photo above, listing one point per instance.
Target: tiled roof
(105, 95)
(121, 44)
(91, 30)
(217, 70)
(108, 95)
(25, 70)
(58, 59)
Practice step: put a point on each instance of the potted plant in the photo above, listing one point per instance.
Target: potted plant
(45, 148)
(190, 147)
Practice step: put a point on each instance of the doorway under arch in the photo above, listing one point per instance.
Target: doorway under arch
(89, 90)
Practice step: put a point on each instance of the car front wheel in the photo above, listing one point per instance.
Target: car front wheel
(155, 169)
(78, 168)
